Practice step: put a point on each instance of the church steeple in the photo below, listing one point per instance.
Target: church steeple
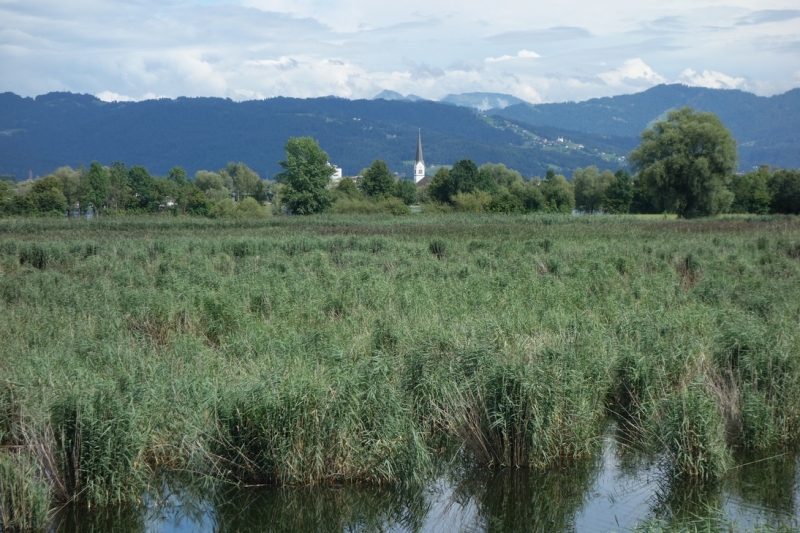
(419, 163)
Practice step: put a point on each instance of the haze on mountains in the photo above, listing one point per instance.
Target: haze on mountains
(60, 129)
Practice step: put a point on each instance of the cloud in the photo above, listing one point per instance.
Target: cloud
(633, 72)
(672, 23)
(559, 33)
(422, 71)
(246, 49)
(108, 96)
(522, 54)
(768, 15)
(710, 79)
(283, 63)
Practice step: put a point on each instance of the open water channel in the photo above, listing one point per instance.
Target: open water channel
(613, 491)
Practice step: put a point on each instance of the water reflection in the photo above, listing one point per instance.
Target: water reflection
(321, 510)
(512, 500)
(613, 491)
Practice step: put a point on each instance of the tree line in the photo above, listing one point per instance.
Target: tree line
(102, 190)
(684, 165)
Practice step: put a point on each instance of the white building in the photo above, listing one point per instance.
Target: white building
(337, 175)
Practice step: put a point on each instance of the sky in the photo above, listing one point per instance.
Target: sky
(255, 49)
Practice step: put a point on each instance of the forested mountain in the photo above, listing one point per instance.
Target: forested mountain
(767, 129)
(40, 134)
(59, 129)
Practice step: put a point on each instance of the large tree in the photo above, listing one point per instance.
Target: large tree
(590, 188)
(95, 187)
(377, 180)
(559, 194)
(145, 195)
(686, 162)
(785, 187)
(467, 178)
(619, 195)
(306, 176)
(47, 196)
(244, 180)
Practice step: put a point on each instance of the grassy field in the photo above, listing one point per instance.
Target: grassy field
(343, 349)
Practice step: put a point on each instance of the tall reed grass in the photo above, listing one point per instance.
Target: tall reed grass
(349, 349)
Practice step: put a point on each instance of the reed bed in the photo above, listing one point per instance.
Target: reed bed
(329, 349)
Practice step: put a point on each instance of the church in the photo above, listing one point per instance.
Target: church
(419, 164)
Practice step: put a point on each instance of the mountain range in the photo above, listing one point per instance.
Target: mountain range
(767, 128)
(40, 134)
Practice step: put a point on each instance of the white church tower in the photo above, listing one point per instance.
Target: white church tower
(419, 163)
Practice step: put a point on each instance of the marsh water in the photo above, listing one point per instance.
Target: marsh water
(613, 491)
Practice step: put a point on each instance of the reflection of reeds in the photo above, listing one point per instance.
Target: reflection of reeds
(332, 348)
(517, 500)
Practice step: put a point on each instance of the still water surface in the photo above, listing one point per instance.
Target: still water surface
(611, 492)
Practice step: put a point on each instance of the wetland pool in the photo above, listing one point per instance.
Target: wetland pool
(613, 491)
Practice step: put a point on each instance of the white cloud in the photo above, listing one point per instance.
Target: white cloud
(109, 96)
(354, 48)
(633, 72)
(522, 54)
(710, 79)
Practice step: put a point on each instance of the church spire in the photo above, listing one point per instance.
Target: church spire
(419, 164)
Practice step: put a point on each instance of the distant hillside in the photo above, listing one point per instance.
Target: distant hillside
(43, 133)
(767, 129)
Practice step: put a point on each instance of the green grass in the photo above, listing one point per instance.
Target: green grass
(335, 349)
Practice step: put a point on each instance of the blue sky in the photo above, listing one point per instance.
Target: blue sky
(246, 49)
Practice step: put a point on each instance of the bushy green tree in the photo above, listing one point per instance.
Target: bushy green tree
(530, 194)
(6, 192)
(558, 193)
(377, 181)
(751, 192)
(471, 202)
(784, 185)
(506, 202)
(250, 208)
(178, 189)
(177, 175)
(145, 195)
(119, 190)
(71, 186)
(467, 178)
(590, 188)
(305, 177)
(502, 175)
(441, 187)
(686, 162)
(197, 203)
(619, 194)
(406, 190)
(95, 187)
(47, 197)
(223, 209)
(244, 180)
(346, 188)
(213, 184)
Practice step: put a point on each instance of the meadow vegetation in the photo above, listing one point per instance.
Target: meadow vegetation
(354, 349)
